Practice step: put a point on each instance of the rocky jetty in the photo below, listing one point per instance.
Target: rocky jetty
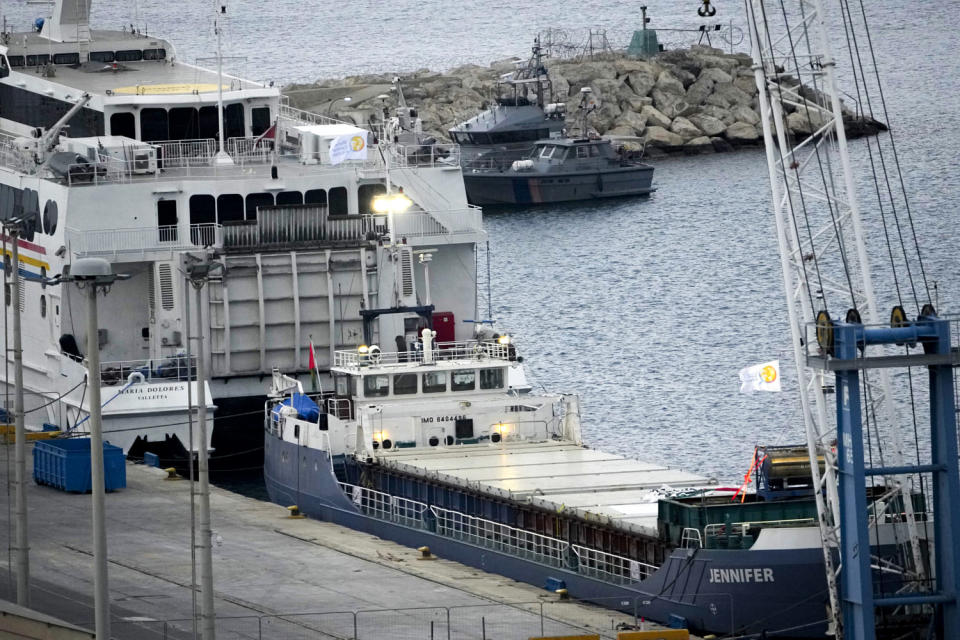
(681, 101)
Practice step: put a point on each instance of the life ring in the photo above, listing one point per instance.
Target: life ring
(374, 355)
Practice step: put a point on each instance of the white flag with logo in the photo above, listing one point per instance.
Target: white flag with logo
(760, 377)
(351, 146)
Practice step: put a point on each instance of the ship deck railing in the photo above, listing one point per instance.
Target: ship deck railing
(467, 350)
(174, 368)
(143, 239)
(725, 534)
(610, 567)
(497, 536)
(297, 226)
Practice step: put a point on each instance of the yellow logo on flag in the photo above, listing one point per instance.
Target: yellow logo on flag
(357, 143)
(768, 373)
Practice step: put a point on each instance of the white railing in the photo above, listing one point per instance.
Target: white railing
(437, 223)
(115, 372)
(466, 350)
(500, 537)
(306, 117)
(609, 567)
(11, 157)
(720, 529)
(385, 506)
(175, 154)
(117, 241)
(421, 156)
(254, 150)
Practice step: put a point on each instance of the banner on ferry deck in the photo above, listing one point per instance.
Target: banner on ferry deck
(351, 146)
(760, 377)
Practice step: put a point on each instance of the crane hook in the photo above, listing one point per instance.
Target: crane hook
(706, 11)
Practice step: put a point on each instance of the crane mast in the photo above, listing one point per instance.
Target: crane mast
(823, 250)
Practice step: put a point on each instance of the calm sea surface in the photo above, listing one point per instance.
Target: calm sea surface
(647, 308)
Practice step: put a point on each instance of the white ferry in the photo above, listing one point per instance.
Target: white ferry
(112, 147)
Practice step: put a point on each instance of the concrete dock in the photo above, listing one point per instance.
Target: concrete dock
(274, 577)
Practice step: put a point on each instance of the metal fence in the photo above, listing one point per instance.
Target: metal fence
(470, 622)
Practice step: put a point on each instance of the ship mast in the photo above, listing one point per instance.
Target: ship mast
(823, 252)
(223, 158)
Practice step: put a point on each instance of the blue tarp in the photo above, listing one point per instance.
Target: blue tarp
(306, 408)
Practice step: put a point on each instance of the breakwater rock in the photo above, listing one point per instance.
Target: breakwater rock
(681, 101)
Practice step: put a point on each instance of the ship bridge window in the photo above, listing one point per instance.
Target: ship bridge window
(480, 138)
(66, 58)
(338, 201)
(154, 54)
(491, 378)
(233, 123)
(167, 220)
(33, 61)
(365, 195)
(184, 123)
(435, 382)
(459, 138)
(547, 151)
(287, 198)
(594, 151)
(404, 384)
(259, 120)
(154, 125)
(255, 200)
(229, 208)
(203, 211)
(209, 122)
(129, 55)
(463, 380)
(102, 56)
(315, 196)
(16, 61)
(376, 386)
(4, 69)
(123, 124)
(583, 152)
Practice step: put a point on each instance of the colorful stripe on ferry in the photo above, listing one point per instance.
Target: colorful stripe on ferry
(32, 267)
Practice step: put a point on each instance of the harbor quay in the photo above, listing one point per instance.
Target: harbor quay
(274, 576)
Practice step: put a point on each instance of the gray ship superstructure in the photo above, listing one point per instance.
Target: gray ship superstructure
(112, 147)
(521, 114)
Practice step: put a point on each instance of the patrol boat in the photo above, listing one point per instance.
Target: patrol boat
(113, 147)
(520, 115)
(430, 446)
(560, 170)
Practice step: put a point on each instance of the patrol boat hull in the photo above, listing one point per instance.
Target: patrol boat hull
(510, 187)
(780, 591)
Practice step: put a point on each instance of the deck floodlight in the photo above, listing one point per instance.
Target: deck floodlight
(391, 203)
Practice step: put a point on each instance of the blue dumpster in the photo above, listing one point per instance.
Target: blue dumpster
(65, 465)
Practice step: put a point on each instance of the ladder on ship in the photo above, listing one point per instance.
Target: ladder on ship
(826, 266)
(83, 29)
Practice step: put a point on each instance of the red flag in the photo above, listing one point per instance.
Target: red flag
(269, 134)
(313, 367)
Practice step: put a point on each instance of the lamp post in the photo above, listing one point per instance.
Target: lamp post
(345, 99)
(12, 228)
(93, 274)
(198, 272)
